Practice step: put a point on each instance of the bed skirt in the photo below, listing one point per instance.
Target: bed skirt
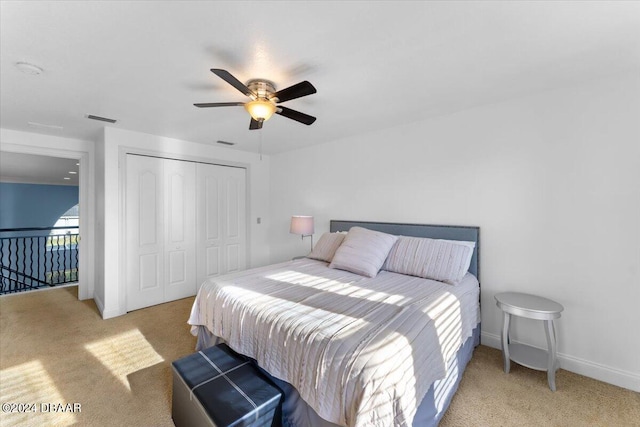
(296, 412)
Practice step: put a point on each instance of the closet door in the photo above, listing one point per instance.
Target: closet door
(221, 220)
(180, 229)
(144, 231)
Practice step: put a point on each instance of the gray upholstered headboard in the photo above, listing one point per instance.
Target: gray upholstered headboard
(448, 232)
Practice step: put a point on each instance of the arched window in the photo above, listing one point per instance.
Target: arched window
(68, 219)
(62, 244)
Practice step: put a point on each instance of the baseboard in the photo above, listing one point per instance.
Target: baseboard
(607, 374)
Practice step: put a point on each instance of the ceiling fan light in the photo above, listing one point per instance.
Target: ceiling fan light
(260, 109)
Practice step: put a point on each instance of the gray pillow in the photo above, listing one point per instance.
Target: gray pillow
(363, 251)
(442, 260)
(326, 247)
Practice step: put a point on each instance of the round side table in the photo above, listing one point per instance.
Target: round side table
(530, 307)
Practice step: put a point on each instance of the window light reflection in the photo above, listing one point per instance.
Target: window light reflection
(125, 354)
(337, 287)
(446, 311)
(303, 314)
(31, 383)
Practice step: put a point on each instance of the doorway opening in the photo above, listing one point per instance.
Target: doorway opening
(43, 195)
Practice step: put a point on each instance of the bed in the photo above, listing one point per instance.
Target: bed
(346, 349)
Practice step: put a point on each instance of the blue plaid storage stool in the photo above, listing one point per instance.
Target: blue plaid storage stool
(217, 387)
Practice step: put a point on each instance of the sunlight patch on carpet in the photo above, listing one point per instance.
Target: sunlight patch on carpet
(31, 384)
(124, 354)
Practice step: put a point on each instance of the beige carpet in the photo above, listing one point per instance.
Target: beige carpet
(55, 349)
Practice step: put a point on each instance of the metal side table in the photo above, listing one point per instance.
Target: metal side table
(537, 308)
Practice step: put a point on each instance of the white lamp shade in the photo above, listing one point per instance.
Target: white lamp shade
(302, 225)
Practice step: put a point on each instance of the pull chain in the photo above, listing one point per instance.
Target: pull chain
(260, 147)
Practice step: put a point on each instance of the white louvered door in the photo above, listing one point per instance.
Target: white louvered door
(185, 222)
(221, 223)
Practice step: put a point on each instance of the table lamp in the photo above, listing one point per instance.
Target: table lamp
(303, 225)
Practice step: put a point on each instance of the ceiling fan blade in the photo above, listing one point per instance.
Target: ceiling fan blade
(227, 77)
(219, 104)
(296, 91)
(255, 124)
(295, 115)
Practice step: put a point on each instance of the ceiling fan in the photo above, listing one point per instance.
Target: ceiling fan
(264, 99)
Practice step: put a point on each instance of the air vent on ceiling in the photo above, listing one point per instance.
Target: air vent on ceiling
(102, 119)
(226, 143)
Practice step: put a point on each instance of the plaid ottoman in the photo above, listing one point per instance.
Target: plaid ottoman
(218, 387)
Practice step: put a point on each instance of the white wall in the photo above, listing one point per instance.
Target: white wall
(553, 181)
(45, 145)
(110, 154)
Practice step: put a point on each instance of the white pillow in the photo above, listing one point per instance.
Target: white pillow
(326, 247)
(442, 260)
(363, 251)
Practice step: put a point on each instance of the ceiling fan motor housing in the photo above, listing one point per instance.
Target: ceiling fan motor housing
(263, 88)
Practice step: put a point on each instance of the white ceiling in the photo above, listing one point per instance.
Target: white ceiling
(32, 169)
(375, 64)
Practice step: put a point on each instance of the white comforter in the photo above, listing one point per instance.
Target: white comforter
(360, 351)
